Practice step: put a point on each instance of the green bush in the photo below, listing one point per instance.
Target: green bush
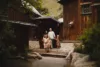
(7, 47)
(91, 41)
(79, 48)
(7, 38)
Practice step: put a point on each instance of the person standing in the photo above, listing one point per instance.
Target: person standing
(51, 35)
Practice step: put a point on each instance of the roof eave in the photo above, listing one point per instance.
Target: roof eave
(44, 18)
(62, 2)
(20, 23)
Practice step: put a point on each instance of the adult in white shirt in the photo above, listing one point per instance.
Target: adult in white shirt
(51, 35)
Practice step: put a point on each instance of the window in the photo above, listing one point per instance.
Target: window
(86, 9)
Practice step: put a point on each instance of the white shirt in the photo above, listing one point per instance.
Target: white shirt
(51, 35)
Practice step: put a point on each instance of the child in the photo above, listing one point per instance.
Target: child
(57, 41)
(46, 42)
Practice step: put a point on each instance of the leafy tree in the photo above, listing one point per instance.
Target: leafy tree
(38, 5)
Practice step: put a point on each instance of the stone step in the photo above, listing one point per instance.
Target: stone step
(57, 51)
(71, 41)
(52, 53)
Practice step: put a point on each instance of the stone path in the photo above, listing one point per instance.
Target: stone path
(44, 62)
(63, 51)
(50, 62)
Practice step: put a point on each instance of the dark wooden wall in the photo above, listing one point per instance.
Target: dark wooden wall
(23, 32)
(17, 15)
(22, 37)
(71, 12)
(88, 20)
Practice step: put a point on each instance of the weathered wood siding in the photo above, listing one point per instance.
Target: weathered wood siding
(87, 21)
(14, 14)
(22, 37)
(23, 33)
(71, 12)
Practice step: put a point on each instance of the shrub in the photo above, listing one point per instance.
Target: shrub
(7, 37)
(91, 41)
(79, 48)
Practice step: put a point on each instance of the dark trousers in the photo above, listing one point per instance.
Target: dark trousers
(53, 43)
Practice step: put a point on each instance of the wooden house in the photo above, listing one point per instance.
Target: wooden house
(44, 24)
(28, 24)
(23, 25)
(78, 15)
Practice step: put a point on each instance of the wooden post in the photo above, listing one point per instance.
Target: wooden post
(79, 16)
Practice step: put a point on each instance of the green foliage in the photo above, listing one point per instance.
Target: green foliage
(3, 4)
(7, 39)
(7, 34)
(79, 48)
(35, 3)
(91, 41)
(44, 11)
(3, 7)
(38, 5)
(54, 12)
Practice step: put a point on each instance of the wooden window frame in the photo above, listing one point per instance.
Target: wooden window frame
(86, 8)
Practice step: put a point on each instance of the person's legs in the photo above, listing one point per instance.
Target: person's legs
(47, 48)
(53, 43)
